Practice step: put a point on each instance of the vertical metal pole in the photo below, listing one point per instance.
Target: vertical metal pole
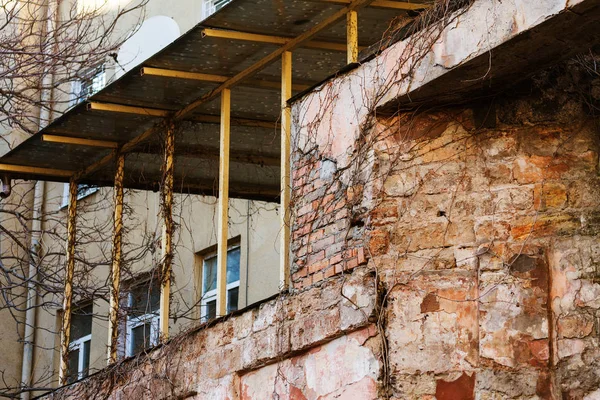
(32, 276)
(223, 205)
(286, 128)
(352, 36)
(113, 323)
(167, 232)
(68, 294)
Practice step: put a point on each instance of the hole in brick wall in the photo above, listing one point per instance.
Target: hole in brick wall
(484, 115)
(441, 213)
(357, 223)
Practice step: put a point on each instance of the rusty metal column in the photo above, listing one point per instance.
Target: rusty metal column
(68, 293)
(113, 323)
(286, 128)
(223, 205)
(167, 232)
(352, 36)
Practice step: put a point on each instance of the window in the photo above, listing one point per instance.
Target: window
(79, 345)
(143, 317)
(83, 190)
(209, 283)
(211, 6)
(91, 81)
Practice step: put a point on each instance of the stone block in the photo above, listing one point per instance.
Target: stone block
(575, 326)
(315, 329)
(514, 316)
(550, 195)
(432, 324)
(342, 368)
(379, 241)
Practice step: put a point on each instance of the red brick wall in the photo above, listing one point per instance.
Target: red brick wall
(325, 240)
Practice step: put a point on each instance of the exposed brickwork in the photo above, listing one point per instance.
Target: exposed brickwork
(325, 238)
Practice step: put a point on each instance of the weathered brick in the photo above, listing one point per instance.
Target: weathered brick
(329, 272)
(379, 242)
(550, 195)
(322, 244)
(317, 266)
(315, 257)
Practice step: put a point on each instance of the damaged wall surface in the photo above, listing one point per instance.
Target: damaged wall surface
(449, 252)
(286, 346)
(481, 224)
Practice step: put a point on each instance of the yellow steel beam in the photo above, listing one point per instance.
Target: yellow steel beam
(265, 61)
(80, 141)
(120, 108)
(168, 73)
(197, 118)
(241, 76)
(259, 83)
(352, 36)
(113, 323)
(286, 128)
(215, 119)
(389, 4)
(167, 232)
(24, 169)
(279, 40)
(68, 290)
(223, 205)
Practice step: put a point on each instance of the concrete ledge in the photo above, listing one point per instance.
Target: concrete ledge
(491, 46)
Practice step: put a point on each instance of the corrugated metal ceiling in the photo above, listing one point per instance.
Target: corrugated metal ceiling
(254, 149)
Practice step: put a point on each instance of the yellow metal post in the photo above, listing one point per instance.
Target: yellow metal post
(167, 232)
(286, 127)
(68, 293)
(223, 206)
(113, 322)
(352, 36)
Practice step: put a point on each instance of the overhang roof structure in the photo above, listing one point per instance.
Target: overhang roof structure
(182, 83)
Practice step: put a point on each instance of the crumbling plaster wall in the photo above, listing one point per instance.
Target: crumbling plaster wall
(319, 343)
(481, 224)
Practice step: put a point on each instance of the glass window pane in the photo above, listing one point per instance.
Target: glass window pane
(145, 298)
(232, 299)
(73, 366)
(209, 275)
(211, 309)
(233, 265)
(81, 322)
(140, 337)
(86, 357)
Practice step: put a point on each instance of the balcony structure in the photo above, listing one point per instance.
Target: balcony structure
(425, 242)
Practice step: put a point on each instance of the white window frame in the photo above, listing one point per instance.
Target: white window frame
(97, 76)
(134, 322)
(80, 193)
(209, 7)
(211, 295)
(79, 345)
